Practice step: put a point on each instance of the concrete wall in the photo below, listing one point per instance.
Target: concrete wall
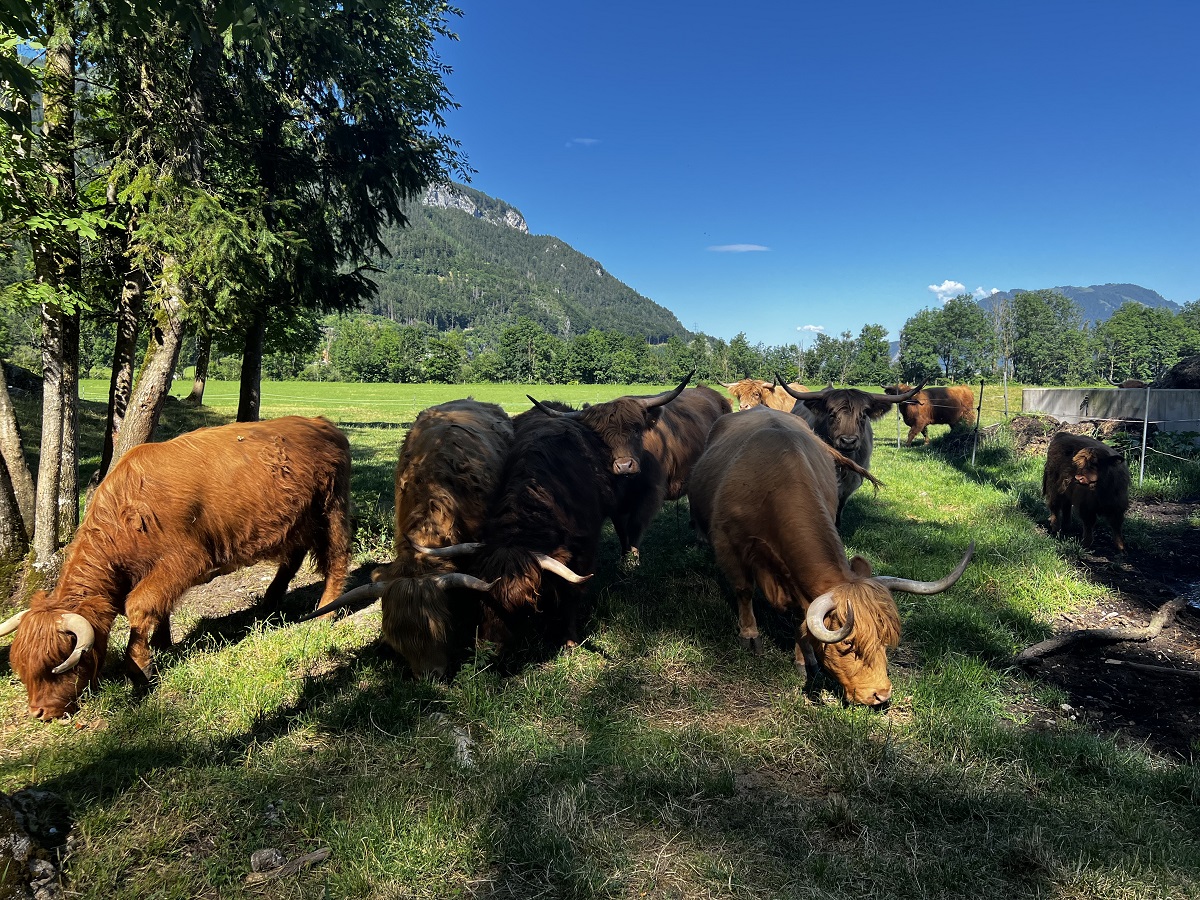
(1169, 410)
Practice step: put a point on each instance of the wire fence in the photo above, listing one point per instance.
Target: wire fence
(1162, 423)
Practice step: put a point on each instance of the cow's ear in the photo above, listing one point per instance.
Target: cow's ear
(860, 567)
(1082, 459)
(879, 407)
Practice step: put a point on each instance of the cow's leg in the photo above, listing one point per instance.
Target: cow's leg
(332, 553)
(912, 433)
(1088, 517)
(747, 624)
(283, 577)
(161, 639)
(1117, 520)
(148, 609)
(814, 676)
(925, 433)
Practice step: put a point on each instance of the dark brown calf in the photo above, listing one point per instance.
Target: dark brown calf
(1089, 475)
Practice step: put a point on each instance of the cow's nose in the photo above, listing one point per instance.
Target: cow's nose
(626, 465)
(881, 699)
(847, 443)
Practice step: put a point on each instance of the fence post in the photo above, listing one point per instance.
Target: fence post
(978, 416)
(1145, 430)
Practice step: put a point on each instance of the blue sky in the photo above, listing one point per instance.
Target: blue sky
(779, 167)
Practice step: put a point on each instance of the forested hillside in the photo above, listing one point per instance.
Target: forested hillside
(455, 270)
(1098, 302)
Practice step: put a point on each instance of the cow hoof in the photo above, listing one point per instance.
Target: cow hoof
(753, 644)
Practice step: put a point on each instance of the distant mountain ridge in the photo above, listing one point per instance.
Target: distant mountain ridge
(1098, 301)
(467, 260)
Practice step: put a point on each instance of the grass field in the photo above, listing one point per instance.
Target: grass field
(660, 760)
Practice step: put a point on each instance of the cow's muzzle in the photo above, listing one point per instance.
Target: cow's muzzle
(626, 465)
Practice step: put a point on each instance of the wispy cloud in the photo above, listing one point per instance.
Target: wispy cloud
(816, 329)
(980, 292)
(583, 142)
(948, 289)
(738, 248)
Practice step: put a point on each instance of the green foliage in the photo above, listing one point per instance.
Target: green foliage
(1143, 342)
(1050, 346)
(956, 341)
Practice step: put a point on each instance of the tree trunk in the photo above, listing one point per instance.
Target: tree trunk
(45, 529)
(120, 385)
(196, 397)
(166, 340)
(13, 454)
(14, 539)
(56, 256)
(68, 468)
(250, 394)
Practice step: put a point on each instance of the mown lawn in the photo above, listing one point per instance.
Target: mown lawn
(660, 760)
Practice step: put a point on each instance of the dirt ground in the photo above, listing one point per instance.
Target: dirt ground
(1156, 709)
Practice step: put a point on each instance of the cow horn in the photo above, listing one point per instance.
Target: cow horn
(803, 395)
(666, 396)
(371, 592)
(546, 409)
(85, 637)
(550, 564)
(815, 620)
(900, 398)
(449, 552)
(927, 587)
(462, 580)
(8, 626)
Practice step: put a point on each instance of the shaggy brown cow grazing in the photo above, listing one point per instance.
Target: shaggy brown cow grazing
(1090, 475)
(842, 418)
(173, 515)
(751, 392)
(934, 406)
(779, 532)
(446, 477)
(1133, 383)
(542, 529)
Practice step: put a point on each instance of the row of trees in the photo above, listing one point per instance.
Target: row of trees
(1034, 338)
(182, 167)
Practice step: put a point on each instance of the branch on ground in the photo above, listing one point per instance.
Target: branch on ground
(1161, 618)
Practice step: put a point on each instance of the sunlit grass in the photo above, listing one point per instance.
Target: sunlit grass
(660, 759)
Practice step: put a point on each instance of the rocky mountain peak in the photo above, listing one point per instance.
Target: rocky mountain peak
(474, 203)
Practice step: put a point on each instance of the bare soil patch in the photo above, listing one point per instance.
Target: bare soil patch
(1157, 709)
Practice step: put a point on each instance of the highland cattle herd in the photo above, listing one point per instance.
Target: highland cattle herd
(499, 520)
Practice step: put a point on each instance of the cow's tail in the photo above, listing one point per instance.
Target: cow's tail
(840, 459)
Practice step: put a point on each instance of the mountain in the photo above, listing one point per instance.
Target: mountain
(1099, 301)
(468, 260)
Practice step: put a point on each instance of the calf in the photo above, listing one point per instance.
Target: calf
(1090, 475)
(751, 392)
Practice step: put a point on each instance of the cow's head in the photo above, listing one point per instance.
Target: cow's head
(842, 416)
(1090, 464)
(56, 655)
(620, 423)
(865, 623)
(750, 392)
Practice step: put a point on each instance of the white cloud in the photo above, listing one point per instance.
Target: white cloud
(812, 328)
(583, 142)
(948, 289)
(738, 248)
(980, 292)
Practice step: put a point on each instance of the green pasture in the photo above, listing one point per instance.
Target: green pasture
(658, 760)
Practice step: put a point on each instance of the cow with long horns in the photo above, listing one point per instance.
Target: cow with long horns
(176, 514)
(654, 442)
(446, 478)
(842, 418)
(542, 531)
(780, 534)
